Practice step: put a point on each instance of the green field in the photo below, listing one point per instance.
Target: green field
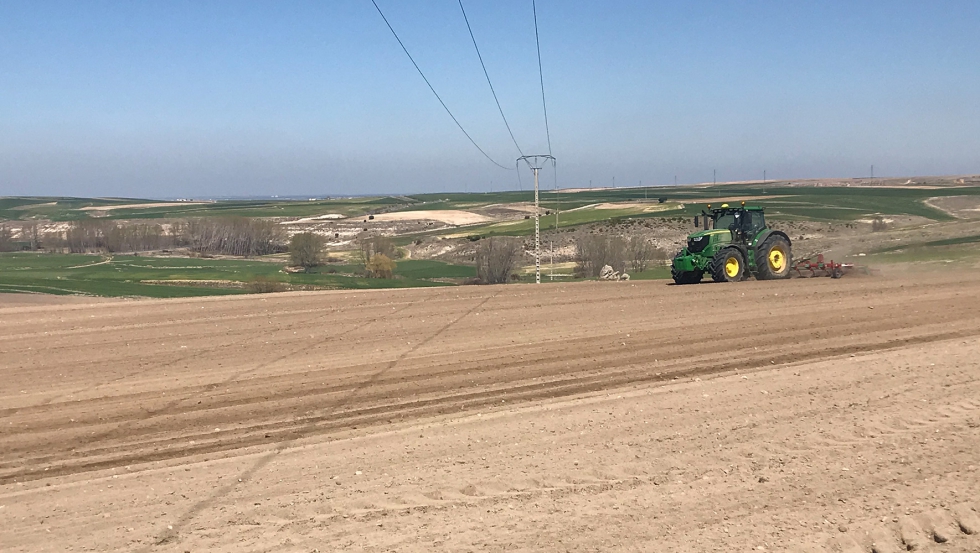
(961, 248)
(808, 202)
(833, 203)
(126, 275)
(71, 209)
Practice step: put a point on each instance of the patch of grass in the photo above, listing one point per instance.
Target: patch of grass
(109, 288)
(423, 268)
(131, 275)
(920, 255)
(54, 208)
(962, 248)
(973, 239)
(653, 273)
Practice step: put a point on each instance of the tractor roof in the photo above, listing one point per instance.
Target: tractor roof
(736, 207)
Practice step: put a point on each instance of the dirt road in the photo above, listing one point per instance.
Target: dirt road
(807, 415)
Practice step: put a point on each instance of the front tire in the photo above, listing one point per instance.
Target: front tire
(773, 258)
(728, 265)
(685, 277)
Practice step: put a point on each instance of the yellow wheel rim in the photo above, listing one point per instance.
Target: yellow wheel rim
(777, 260)
(731, 267)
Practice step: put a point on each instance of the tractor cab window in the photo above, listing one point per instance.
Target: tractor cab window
(726, 221)
(741, 221)
(750, 222)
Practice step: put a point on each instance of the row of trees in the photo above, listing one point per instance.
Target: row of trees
(498, 257)
(375, 253)
(30, 234)
(235, 236)
(227, 235)
(631, 253)
(109, 236)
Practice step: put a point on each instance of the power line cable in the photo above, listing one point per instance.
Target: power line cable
(554, 171)
(544, 104)
(400, 43)
(487, 75)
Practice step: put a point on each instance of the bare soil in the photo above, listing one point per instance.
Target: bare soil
(19, 300)
(961, 207)
(447, 216)
(802, 415)
(137, 206)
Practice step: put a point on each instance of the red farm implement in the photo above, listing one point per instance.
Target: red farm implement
(812, 268)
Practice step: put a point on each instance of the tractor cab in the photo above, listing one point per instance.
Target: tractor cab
(743, 222)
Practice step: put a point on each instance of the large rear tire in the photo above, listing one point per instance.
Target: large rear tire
(773, 258)
(728, 265)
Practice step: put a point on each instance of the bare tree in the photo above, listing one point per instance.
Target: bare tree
(660, 257)
(376, 245)
(6, 239)
(496, 258)
(33, 233)
(638, 253)
(175, 235)
(593, 251)
(372, 245)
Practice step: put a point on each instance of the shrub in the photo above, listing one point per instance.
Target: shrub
(264, 285)
(380, 266)
(305, 249)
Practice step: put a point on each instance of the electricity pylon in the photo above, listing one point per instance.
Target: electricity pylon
(536, 163)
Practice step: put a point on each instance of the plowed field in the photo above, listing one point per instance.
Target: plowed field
(806, 415)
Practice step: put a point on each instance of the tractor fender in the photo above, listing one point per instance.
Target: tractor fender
(769, 232)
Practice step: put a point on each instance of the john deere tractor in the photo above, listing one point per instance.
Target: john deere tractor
(735, 244)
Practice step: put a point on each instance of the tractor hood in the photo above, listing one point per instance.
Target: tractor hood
(698, 241)
(707, 234)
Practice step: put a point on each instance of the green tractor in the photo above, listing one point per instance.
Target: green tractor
(735, 243)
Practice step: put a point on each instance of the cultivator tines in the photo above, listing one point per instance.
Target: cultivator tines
(810, 268)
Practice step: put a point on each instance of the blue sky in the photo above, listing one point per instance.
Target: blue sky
(190, 98)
